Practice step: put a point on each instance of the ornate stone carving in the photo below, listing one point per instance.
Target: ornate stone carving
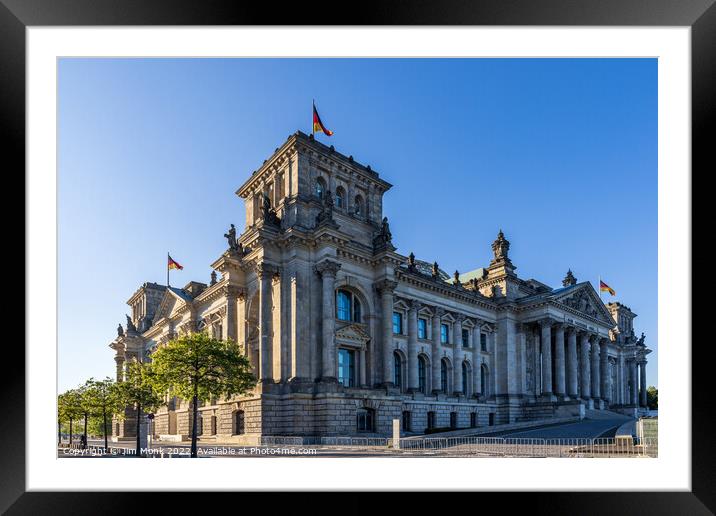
(327, 268)
(456, 279)
(266, 270)
(640, 342)
(582, 302)
(569, 279)
(120, 331)
(386, 285)
(213, 278)
(435, 271)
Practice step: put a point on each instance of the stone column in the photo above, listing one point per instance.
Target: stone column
(435, 359)
(559, 365)
(328, 269)
(457, 355)
(586, 369)
(362, 366)
(604, 368)
(596, 376)
(265, 273)
(572, 362)
(635, 383)
(231, 325)
(476, 365)
(119, 363)
(621, 380)
(642, 384)
(546, 341)
(537, 366)
(386, 288)
(413, 346)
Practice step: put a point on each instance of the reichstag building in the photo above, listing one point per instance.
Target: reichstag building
(344, 334)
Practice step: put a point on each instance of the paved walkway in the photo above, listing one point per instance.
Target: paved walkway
(585, 429)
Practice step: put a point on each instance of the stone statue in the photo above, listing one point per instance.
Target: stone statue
(384, 239)
(120, 331)
(456, 279)
(569, 279)
(385, 230)
(500, 247)
(130, 325)
(640, 342)
(213, 278)
(325, 216)
(411, 261)
(436, 270)
(231, 238)
(268, 213)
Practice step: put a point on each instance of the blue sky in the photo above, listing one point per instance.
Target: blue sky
(559, 153)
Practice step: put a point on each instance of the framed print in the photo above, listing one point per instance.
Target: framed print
(463, 258)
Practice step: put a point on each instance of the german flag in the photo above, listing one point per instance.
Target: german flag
(171, 264)
(318, 126)
(603, 287)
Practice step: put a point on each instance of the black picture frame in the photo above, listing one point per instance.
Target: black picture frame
(700, 15)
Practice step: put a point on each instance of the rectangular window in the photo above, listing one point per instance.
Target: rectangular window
(465, 338)
(453, 419)
(422, 329)
(397, 323)
(444, 333)
(406, 421)
(483, 341)
(346, 367)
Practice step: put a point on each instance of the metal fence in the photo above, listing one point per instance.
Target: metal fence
(484, 446)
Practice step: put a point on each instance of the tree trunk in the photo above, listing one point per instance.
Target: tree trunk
(195, 411)
(59, 433)
(70, 432)
(139, 414)
(85, 432)
(104, 428)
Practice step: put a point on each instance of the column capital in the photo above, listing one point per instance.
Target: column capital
(414, 305)
(570, 329)
(439, 312)
(460, 318)
(594, 338)
(234, 291)
(546, 321)
(327, 268)
(385, 286)
(266, 270)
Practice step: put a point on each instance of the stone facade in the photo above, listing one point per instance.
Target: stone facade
(344, 334)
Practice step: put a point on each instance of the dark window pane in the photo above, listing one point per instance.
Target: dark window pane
(422, 329)
(397, 323)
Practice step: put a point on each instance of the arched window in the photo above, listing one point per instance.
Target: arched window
(320, 187)
(422, 375)
(347, 306)
(239, 422)
(359, 207)
(443, 375)
(398, 370)
(340, 197)
(465, 378)
(365, 420)
(483, 380)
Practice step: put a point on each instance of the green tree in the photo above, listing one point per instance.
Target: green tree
(200, 367)
(652, 398)
(69, 408)
(103, 399)
(138, 390)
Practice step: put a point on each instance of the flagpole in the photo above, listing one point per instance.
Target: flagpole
(599, 285)
(167, 269)
(313, 130)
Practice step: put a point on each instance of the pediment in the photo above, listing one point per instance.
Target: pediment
(584, 299)
(354, 333)
(169, 304)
